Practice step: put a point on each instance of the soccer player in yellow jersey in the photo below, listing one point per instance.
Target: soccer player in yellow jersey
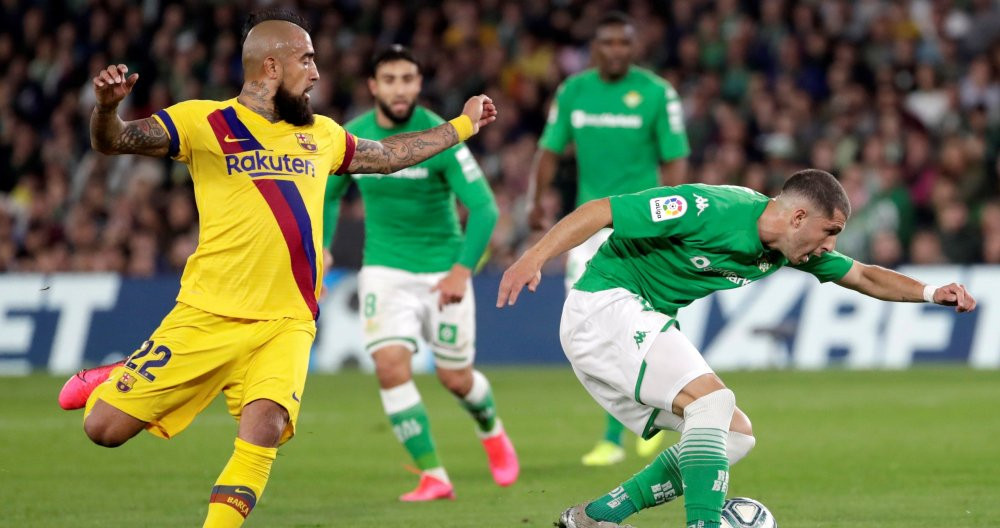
(245, 315)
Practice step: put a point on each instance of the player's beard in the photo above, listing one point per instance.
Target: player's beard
(294, 110)
(387, 111)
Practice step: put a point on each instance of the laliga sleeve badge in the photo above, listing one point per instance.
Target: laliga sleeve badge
(125, 383)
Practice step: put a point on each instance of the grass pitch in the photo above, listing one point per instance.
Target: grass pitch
(910, 449)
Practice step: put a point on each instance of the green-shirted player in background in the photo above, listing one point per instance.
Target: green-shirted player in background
(670, 246)
(628, 128)
(415, 281)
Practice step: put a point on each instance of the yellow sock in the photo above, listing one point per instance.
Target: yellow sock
(240, 485)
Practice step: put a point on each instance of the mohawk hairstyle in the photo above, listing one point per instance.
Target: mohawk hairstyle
(273, 13)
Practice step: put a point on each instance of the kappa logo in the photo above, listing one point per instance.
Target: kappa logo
(639, 337)
(701, 203)
(667, 208)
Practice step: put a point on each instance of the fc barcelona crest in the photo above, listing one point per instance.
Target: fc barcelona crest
(306, 141)
(125, 383)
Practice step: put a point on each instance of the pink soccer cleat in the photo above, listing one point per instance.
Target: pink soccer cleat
(77, 389)
(429, 489)
(503, 458)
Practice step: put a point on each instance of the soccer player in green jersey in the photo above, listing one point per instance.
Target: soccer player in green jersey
(415, 282)
(628, 128)
(670, 246)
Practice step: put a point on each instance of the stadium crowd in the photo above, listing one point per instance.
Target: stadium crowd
(899, 99)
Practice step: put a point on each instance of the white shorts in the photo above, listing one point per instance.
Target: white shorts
(399, 308)
(630, 358)
(578, 257)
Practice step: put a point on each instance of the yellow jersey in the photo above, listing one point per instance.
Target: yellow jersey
(259, 188)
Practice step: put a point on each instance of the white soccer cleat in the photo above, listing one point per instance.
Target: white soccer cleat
(576, 517)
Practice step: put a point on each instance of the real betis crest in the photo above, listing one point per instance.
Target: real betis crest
(632, 99)
(306, 141)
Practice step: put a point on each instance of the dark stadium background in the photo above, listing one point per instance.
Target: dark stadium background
(898, 98)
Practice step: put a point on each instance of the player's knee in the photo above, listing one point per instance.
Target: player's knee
(713, 410)
(458, 382)
(263, 423)
(104, 432)
(391, 370)
(738, 445)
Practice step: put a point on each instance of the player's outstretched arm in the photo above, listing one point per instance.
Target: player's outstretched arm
(888, 285)
(404, 150)
(570, 232)
(108, 133)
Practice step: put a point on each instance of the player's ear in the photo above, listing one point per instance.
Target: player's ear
(372, 84)
(272, 68)
(799, 215)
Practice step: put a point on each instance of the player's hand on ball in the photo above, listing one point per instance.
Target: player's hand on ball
(954, 294)
(111, 85)
(451, 287)
(527, 271)
(481, 110)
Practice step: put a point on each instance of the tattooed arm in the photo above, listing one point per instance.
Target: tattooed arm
(108, 133)
(404, 150)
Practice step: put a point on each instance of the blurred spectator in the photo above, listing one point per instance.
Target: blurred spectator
(901, 100)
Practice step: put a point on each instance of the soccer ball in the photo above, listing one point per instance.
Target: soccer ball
(741, 512)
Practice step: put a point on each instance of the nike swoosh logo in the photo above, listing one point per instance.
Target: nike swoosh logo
(294, 397)
(228, 139)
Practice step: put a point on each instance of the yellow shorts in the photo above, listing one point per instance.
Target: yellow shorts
(195, 354)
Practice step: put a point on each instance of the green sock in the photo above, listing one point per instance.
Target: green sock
(479, 402)
(613, 430)
(657, 483)
(413, 429)
(704, 468)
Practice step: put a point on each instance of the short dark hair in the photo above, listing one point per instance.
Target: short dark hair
(615, 18)
(265, 14)
(392, 53)
(820, 188)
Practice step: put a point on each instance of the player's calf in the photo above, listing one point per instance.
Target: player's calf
(703, 458)
(242, 481)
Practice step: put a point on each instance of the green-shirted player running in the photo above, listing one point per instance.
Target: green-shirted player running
(627, 125)
(670, 246)
(415, 282)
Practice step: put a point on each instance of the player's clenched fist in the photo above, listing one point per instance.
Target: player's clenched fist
(111, 85)
(955, 294)
(481, 110)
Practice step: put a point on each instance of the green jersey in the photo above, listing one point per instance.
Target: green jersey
(411, 220)
(622, 130)
(672, 245)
